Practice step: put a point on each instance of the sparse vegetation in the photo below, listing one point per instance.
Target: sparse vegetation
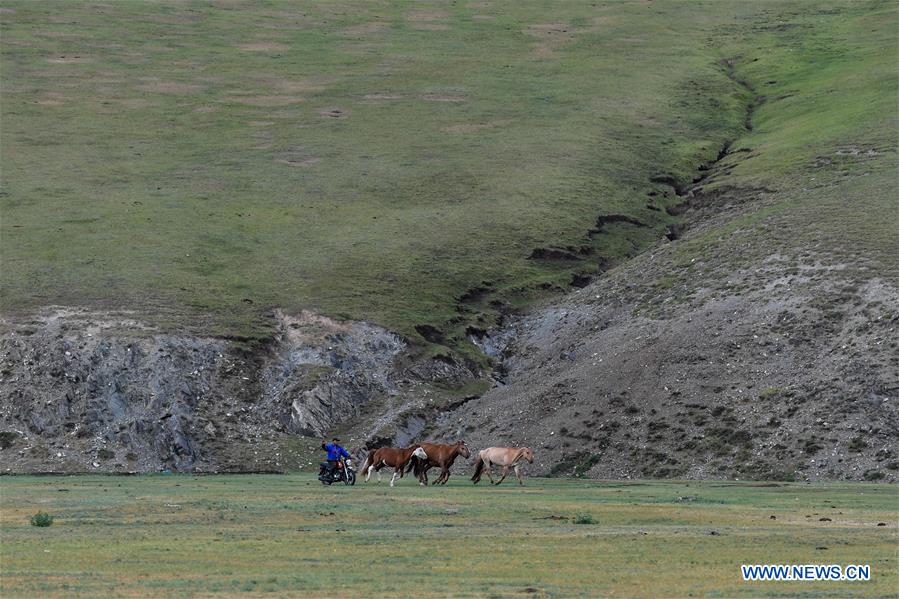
(41, 520)
(190, 535)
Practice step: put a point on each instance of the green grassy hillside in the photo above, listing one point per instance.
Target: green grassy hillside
(202, 163)
(399, 163)
(178, 535)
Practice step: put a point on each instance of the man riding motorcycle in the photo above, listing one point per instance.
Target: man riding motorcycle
(335, 453)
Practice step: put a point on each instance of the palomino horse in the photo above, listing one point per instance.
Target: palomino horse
(440, 456)
(392, 457)
(507, 457)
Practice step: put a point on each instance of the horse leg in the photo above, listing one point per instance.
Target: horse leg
(505, 473)
(395, 472)
(518, 474)
(444, 476)
(489, 467)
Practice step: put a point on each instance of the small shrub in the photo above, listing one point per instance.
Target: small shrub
(41, 519)
(858, 444)
(873, 475)
(7, 439)
(584, 519)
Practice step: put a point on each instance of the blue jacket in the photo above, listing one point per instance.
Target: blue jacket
(335, 452)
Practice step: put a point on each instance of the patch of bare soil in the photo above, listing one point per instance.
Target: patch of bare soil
(334, 113)
(444, 98)
(365, 28)
(59, 35)
(382, 97)
(427, 15)
(431, 26)
(550, 36)
(299, 157)
(475, 127)
(171, 87)
(298, 86)
(265, 101)
(263, 47)
(135, 103)
(51, 99)
(69, 59)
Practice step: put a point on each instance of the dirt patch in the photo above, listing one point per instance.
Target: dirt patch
(382, 97)
(298, 86)
(135, 103)
(431, 26)
(296, 157)
(473, 127)
(60, 35)
(334, 113)
(51, 99)
(171, 87)
(426, 15)
(68, 59)
(366, 28)
(300, 162)
(444, 98)
(266, 101)
(309, 327)
(550, 37)
(263, 47)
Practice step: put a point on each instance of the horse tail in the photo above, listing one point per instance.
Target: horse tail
(368, 461)
(478, 470)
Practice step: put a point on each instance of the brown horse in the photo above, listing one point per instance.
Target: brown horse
(392, 457)
(507, 457)
(440, 456)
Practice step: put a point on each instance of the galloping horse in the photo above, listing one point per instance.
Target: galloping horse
(441, 456)
(507, 457)
(393, 457)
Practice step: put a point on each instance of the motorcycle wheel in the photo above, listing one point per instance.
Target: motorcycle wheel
(351, 479)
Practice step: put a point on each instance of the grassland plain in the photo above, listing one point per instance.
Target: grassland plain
(288, 535)
(203, 163)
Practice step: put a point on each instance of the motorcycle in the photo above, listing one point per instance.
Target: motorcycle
(344, 472)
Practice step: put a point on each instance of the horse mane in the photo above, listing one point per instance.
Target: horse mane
(520, 453)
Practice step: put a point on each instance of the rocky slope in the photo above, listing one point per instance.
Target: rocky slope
(785, 369)
(82, 391)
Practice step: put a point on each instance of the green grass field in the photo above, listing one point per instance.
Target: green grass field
(202, 163)
(280, 535)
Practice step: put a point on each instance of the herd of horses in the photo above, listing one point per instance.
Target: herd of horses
(421, 457)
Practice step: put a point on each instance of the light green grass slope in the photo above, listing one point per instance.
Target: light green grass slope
(186, 160)
(203, 163)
